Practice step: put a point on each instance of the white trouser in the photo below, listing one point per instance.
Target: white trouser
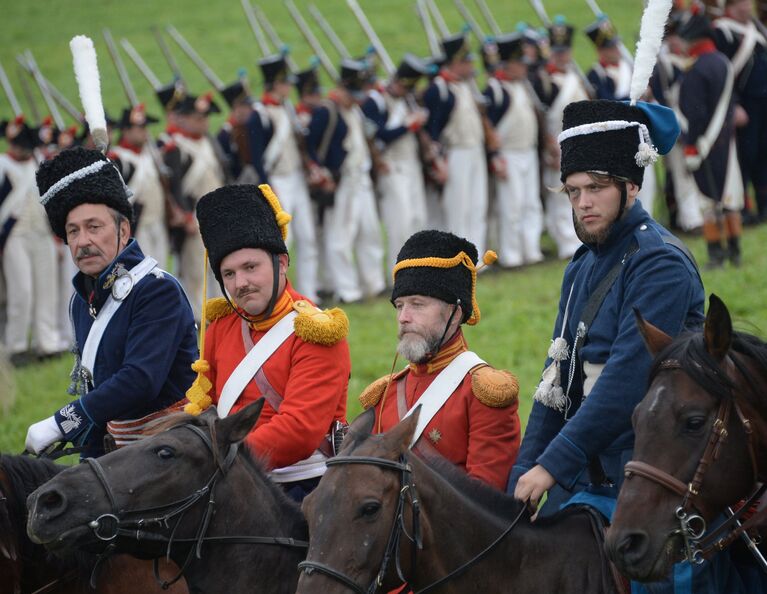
(294, 196)
(435, 217)
(559, 216)
(403, 205)
(352, 229)
(649, 187)
(29, 261)
(190, 273)
(688, 213)
(520, 213)
(464, 197)
(67, 271)
(152, 237)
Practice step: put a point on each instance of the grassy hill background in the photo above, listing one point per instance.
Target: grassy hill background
(518, 308)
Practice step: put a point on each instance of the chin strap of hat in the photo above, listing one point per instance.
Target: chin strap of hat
(456, 305)
(624, 199)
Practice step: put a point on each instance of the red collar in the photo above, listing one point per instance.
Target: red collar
(131, 147)
(449, 351)
(704, 46)
(552, 68)
(172, 129)
(448, 76)
(303, 108)
(269, 99)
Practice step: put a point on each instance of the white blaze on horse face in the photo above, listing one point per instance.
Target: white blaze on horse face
(657, 399)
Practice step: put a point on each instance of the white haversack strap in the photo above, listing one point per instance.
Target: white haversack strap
(104, 316)
(443, 386)
(253, 361)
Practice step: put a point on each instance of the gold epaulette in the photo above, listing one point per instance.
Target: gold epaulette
(217, 308)
(374, 392)
(326, 327)
(497, 388)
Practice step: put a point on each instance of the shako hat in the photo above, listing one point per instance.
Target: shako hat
(410, 69)
(308, 81)
(354, 74)
(241, 216)
(560, 34)
(135, 116)
(602, 33)
(80, 176)
(441, 265)
(236, 92)
(694, 24)
(615, 138)
(203, 104)
(170, 94)
(511, 47)
(18, 132)
(275, 69)
(456, 48)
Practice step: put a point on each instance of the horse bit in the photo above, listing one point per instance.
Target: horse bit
(107, 527)
(692, 525)
(407, 490)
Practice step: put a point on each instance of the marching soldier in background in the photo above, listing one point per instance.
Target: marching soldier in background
(194, 170)
(28, 251)
(338, 146)
(456, 124)
(132, 154)
(275, 153)
(265, 339)
(565, 87)
(706, 102)
(610, 76)
(401, 186)
(474, 423)
(738, 37)
(512, 111)
(233, 135)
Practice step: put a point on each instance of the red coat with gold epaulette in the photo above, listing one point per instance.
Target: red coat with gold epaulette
(311, 378)
(478, 427)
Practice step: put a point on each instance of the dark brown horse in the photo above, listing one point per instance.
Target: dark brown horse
(381, 516)
(28, 567)
(190, 492)
(701, 446)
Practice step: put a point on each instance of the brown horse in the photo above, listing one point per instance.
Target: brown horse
(381, 516)
(701, 446)
(28, 567)
(188, 491)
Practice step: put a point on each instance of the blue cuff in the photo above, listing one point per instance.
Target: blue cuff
(72, 420)
(564, 460)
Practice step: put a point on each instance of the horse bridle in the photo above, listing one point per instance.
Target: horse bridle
(692, 525)
(107, 527)
(407, 490)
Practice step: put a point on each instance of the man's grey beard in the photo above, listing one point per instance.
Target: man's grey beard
(597, 238)
(416, 348)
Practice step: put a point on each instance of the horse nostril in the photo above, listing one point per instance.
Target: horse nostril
(52, 502)
(633, 546)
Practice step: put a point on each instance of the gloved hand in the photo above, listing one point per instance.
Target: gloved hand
(42, 434)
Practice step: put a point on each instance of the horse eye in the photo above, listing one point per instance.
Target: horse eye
(694, 424)
(165, 453)
(370, 509)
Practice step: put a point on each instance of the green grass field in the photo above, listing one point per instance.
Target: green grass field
(518, 308)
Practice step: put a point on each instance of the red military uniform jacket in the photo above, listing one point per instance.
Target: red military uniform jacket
(308, 376)
(477, 428)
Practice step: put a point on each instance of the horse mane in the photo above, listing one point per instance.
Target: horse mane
(690, 351)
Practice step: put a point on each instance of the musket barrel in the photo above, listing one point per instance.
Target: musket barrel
(470, 20)
(140, 64)
(255, 26)
(186, 47)
(488, 16)
(329, 32)
(444, 31)
(312, 40)
(275, 38)
(167, 54)
(373, 37)
(428, 27)
(15, 105)
(44, 91)
(122, 73)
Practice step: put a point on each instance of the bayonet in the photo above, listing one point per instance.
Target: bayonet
(25, 88)
(43, 86)
(255, 26)
(122, 73)
(168, 55)
(190, 52)
(488, 16)
(15, 105)
(275, 39)
(428, 27)
(375, 41)
(470, 20)
(145, 70)
(437, 15)
(57, 95)
(329, 33)
(312, 40)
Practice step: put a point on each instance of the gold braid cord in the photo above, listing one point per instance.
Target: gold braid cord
(282, 217)
(198, 393)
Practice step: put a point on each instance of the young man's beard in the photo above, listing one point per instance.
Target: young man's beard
(417, 348)
(587, 237)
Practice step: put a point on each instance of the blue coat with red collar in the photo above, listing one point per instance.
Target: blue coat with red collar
(143, 362)
(663, 284)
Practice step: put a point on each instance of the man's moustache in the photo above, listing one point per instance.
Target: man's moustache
(87, 252)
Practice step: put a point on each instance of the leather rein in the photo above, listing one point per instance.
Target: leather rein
(692, 525)
(107, 527)
(407, 493)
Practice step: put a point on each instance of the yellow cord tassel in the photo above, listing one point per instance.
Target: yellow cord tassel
(198, 393)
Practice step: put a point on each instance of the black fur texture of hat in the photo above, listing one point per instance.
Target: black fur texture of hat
(613, 152)
(446, 284)
(235, 217)
(104, 186)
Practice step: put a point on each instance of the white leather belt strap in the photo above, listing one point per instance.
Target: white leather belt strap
(253, 361)
(99, 326)
(443, 386)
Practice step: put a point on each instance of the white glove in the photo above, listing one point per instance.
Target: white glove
(42, 434)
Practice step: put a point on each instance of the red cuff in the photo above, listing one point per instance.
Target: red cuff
(690, 150)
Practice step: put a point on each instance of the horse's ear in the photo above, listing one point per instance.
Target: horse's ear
(654, 338)
(717, 331)
(359, 430)
(237, 426)
(400, 436)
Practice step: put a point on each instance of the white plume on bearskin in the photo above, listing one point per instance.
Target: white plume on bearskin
(650, 39)
(89, 84)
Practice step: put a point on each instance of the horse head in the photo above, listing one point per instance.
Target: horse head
(693, 455)
(354, 512)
